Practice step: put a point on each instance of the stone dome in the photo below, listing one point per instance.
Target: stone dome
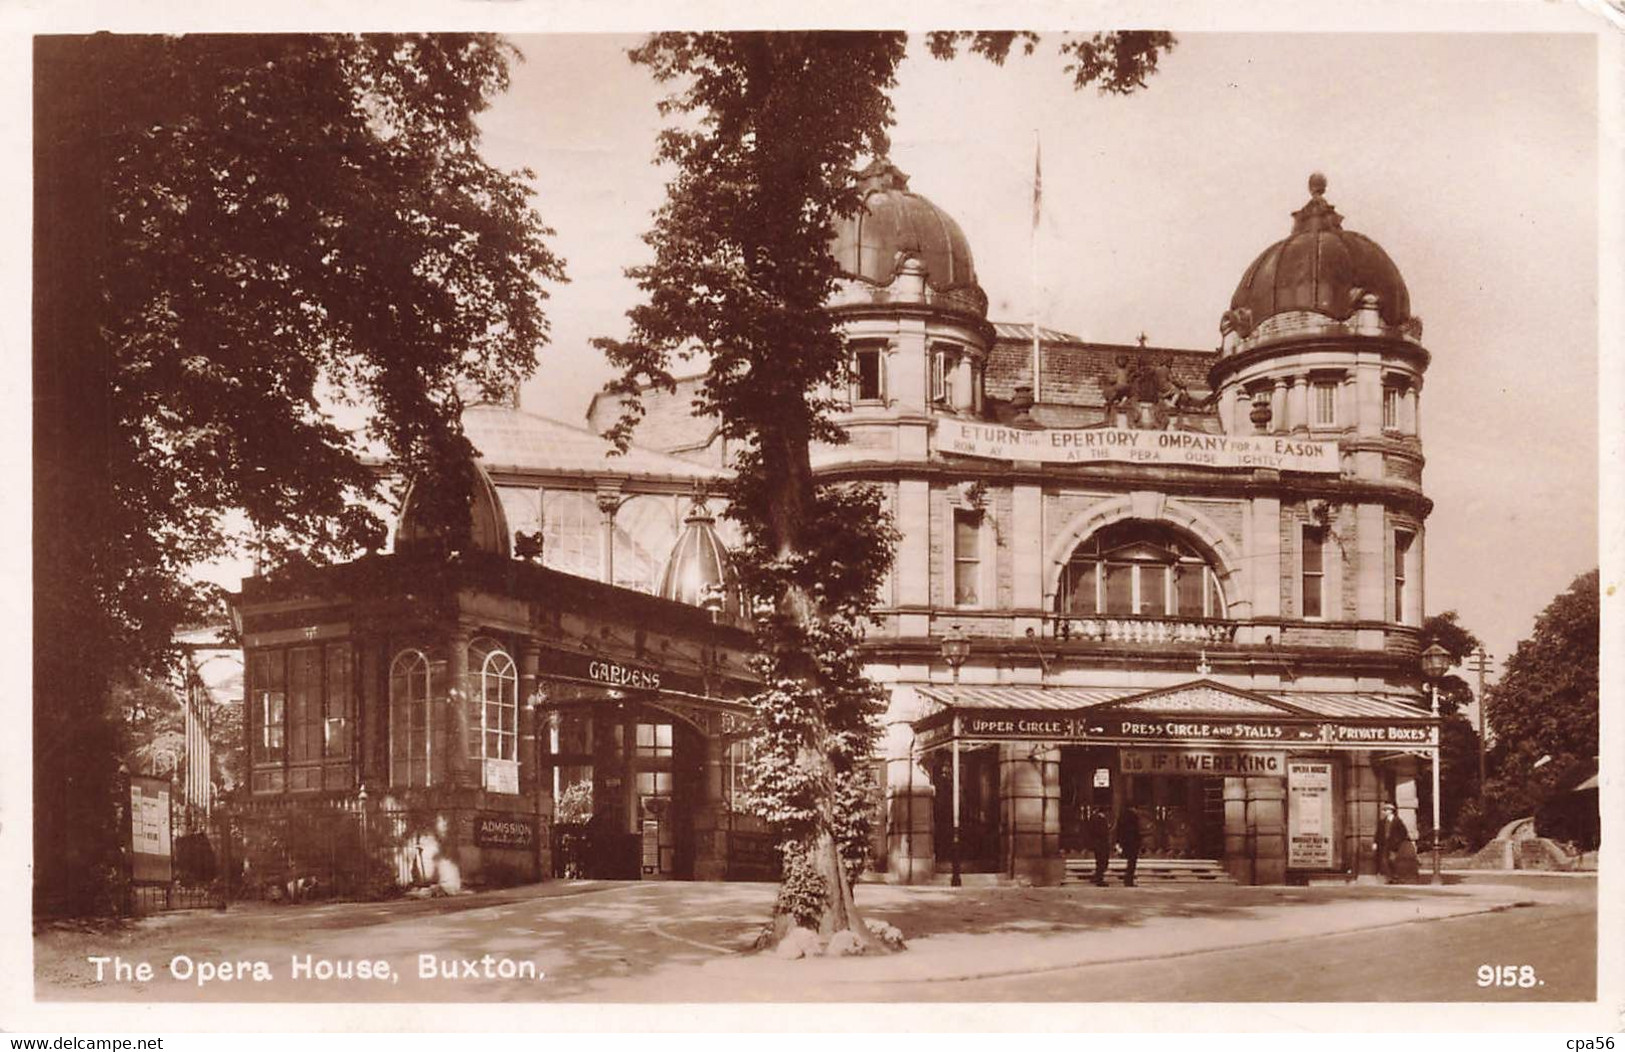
(699, 571)
(1321, 268)
(895, 225)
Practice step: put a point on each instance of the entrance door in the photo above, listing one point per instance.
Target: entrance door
(1181, 817)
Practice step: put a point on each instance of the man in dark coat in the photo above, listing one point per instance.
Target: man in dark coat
(1392, 836)
(1128, 838)
(1100, 842)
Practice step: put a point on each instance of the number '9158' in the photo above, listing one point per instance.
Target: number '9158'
(1507, 975)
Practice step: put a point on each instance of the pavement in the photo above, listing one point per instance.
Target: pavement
(606, 941)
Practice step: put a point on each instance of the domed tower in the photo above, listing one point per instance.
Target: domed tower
(916, 317)
(699, 570)
(488, 524)
(1320, 343)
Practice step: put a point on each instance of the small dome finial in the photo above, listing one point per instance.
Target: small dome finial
(1317, 184)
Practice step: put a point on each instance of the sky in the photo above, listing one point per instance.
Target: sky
(1471, 158)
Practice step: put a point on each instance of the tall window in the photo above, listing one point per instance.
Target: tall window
(411, 747)
(1390, 408)
(868, 373)
(943, 360)
(1314, 571)
(305, 710)
(270, 716)
(967, 557)
(1323, 398)
(494, 737)
(1402, 550)
(1140, 568)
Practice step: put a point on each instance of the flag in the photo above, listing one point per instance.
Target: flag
(1038, 179)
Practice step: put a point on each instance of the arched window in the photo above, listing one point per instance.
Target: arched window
(1139, 569)
(494, 737)
(410, 742)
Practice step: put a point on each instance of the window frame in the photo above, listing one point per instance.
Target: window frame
(403, 709)
(860, 349)
(497, 673)
(958, 561)
(1312, 582)
(1088, 568)
(1401, 577)
(1327, 387)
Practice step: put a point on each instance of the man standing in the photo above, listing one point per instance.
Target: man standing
(1100, 842)
(1128, 838)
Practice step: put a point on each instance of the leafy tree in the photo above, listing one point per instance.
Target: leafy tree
(233, 231)
(1545, 704)
(769, 128)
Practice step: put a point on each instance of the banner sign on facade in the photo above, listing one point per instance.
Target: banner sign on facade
(149, 829)
(1203, 763)
(1122, 445)
(1026, 725)
(509, 831)
(1309, 815)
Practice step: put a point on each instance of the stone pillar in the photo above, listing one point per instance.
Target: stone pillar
(913, 570)
(1265, 559)
(710, 826)
(1030, 813)
(910, 799)
(535, 750)
(1360, 815)
(1027, 542)
(1368, 398)
(1278, 404)
(1266, 827)
(1406, 797)
(1238, 843)
(459, 771)
(1371, 590)
(1298, 403)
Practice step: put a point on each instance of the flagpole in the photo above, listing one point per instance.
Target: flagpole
(1032, 259)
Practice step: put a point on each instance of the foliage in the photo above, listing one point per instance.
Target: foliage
(1545, 705)
(766, 131)
(1116, 63)
(574, 805)
(234, 231)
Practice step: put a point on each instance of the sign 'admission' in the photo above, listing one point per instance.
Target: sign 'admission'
(1121, 445)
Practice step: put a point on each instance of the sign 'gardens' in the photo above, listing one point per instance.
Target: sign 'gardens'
(1122, 445)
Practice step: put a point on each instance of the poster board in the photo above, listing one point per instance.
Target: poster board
(150, 859)
(1309, 815)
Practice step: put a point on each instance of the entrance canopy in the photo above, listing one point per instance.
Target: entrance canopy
(1202, 711)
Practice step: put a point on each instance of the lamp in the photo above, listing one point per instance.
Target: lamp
(1435, 662)
(955, 649)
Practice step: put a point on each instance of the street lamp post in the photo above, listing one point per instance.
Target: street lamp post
(955, 649)
(1435, 661)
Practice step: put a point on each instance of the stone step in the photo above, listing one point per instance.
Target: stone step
(1081, 870)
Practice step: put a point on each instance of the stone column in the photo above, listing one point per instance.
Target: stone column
(1298, 403)
(910, 799)
(1027, 542)
(1238, 845)
(710, 826)
(1266, 828)
(1406, 797)
(459, 770)
(1371, 575)
(1265, 558)
(535, 746)
(1360, 814)
(1030, 813)
(1278, 404)
(963, 383)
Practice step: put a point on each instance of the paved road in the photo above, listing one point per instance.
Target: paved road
(681, 942)
(1428, 961)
